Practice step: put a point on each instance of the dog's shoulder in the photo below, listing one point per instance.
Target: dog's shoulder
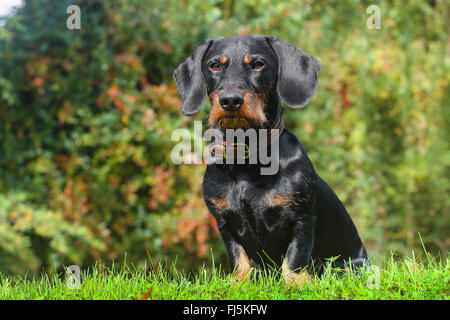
(293, 153)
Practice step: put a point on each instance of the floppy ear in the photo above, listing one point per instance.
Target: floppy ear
(190, 83)
(298, 73)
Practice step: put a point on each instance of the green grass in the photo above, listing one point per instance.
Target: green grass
(398, 279)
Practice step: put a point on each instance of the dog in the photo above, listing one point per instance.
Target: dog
(291, 219)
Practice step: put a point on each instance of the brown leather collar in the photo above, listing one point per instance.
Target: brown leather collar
(220, 149)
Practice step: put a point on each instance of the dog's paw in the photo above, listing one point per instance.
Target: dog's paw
(295, 278)
(298, 279)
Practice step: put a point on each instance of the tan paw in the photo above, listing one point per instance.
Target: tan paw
(295, 278)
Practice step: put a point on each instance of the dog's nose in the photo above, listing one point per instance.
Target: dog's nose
(231, 100)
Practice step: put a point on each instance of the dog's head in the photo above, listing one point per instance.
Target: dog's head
(243, 77)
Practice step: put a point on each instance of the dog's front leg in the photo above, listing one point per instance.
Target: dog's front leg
(298, 254)
(239, 261)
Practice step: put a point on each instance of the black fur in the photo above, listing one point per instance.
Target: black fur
(314, 225)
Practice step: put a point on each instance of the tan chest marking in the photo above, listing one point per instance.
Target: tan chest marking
(283, 200)
(220, 203)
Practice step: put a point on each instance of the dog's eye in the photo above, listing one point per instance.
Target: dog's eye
(258, 65)
(214, 66)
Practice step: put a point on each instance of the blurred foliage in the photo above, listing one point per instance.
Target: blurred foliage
(86, 118)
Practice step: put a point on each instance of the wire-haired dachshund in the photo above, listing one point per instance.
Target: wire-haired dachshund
(292, 219)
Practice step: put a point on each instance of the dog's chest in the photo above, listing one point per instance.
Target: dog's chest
(250, 208)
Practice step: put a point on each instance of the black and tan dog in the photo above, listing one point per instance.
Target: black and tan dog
(293, 217)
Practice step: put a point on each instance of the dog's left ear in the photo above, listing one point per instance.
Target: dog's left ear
(190, 83)
(298, 73)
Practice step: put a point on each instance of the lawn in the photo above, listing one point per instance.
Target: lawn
(394, 279)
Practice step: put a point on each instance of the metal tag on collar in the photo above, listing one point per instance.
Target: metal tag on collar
(236, 146)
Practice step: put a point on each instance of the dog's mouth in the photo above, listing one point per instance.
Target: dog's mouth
(250, 114)
(234, 121)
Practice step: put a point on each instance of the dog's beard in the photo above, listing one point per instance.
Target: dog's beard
(234, 122)
(250, 114)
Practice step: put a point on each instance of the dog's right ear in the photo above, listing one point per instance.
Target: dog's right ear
(190, 82)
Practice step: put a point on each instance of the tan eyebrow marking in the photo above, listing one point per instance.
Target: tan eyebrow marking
(247, 59)
(223, 59)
